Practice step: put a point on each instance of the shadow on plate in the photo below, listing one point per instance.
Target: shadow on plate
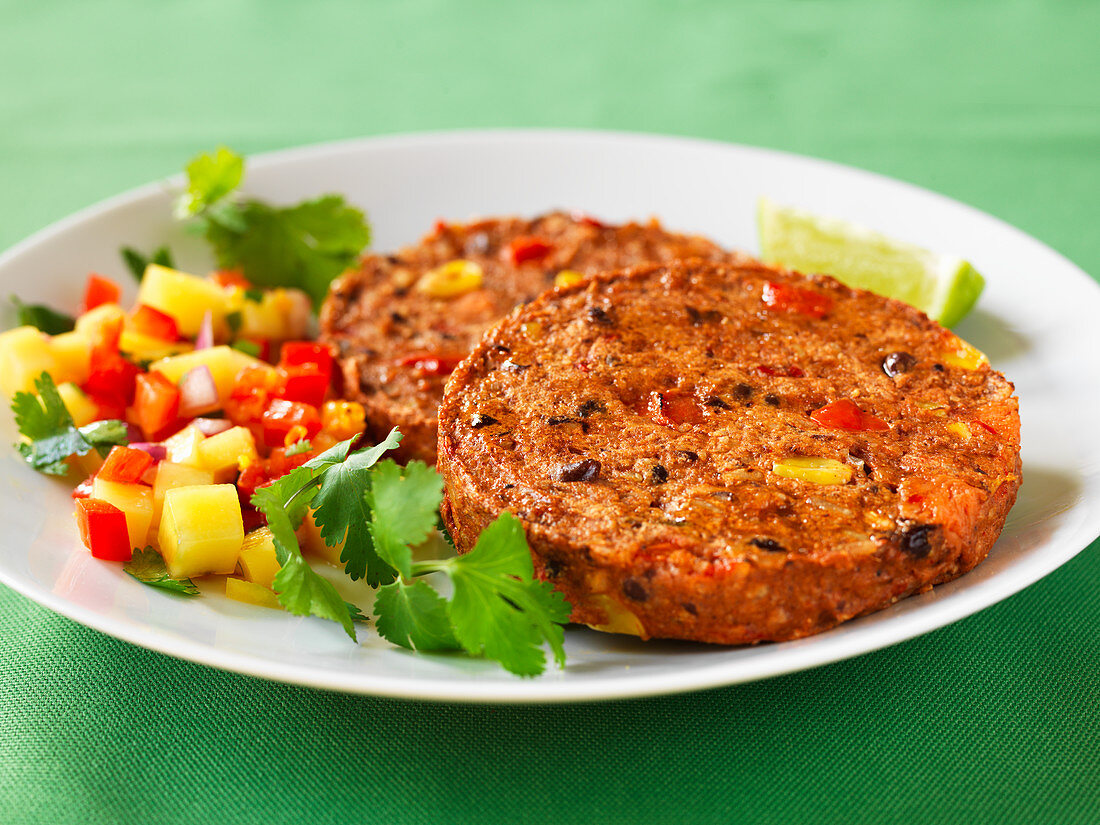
(993, 336)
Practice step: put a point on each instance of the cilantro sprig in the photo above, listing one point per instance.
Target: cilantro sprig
(51, 436)
(305, 246)
(42, 317)
(147, 566)
(379, 511)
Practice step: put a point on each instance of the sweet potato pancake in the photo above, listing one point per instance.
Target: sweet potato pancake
(402, 322)
(730, 453)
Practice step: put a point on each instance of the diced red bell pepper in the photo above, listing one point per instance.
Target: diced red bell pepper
(100, 291)
(252, 390)
(427, 363)
(226, 278)
(527, 248)
(782, 372)
(295, 353)
(156, 324)
(282, 416)
(83, 489)
(111, 378)
(304, 383)
(156, 404)
(103, 529)
(787, 298)
(125, 465)
(985, 426)
(672, 408)
(845, 414)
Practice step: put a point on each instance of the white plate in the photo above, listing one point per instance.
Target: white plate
(1036, 320)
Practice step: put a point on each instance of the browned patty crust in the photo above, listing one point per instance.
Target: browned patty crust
(397, 344)
(634, 424)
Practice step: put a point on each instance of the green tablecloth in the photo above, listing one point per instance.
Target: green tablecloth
(993, 719)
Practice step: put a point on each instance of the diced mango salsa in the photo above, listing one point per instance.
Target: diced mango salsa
(225, 363)
(227, 452)
(343, 419)
(90, 323)
(183, 447)
(136, 503)
(257, 560)
(251, 593)
(143, 347)
(815, 470)
(185, 297)
(72, 353)
(201, 530)
(280, 315)
(80, 407)
(25, 353)
(169, 476)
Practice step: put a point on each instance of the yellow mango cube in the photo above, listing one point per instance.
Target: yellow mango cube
(80, 407)
(169, 476)
(257, 560)
(72, 352)
(201, 530)
(136, 503)
(226, 453)
(452, 279)
(280, 315)
(185, 297)
(814, 470)
(143, 347)
(90, 323)
(225, 364)
(183, 447)
(251, 593)
(25, 353)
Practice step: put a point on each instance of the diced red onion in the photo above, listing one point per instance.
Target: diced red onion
(157, 450)
(198, 392)
(212, 426)
(205, 338)
(133, 433)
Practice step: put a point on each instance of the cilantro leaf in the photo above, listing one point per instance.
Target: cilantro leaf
(499, 609)
(298, 587)
(210, 177)
(404, 506)
(304, 593)
(148, 567)
(105, 434)
(136, 262)
(342, 512)
(304, 246)
(42, 317)
(413, 616)
(52, 436)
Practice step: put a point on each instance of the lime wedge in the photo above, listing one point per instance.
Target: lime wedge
(943, 286)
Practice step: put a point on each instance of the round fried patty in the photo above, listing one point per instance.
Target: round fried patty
(397, 344)
(646, 427)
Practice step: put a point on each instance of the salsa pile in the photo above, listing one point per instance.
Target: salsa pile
(182, 391)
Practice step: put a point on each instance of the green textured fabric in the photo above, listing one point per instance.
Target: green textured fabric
(994, 719)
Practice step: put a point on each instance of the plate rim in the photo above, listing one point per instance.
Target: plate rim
(824, 650)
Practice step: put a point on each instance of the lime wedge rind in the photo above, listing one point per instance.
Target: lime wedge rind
(944, 287)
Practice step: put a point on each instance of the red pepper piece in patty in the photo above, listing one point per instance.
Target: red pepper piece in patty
(672, 408)
(787, 298)
(527, 248)
(782, 372)
(428, 363)
(845, 414)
